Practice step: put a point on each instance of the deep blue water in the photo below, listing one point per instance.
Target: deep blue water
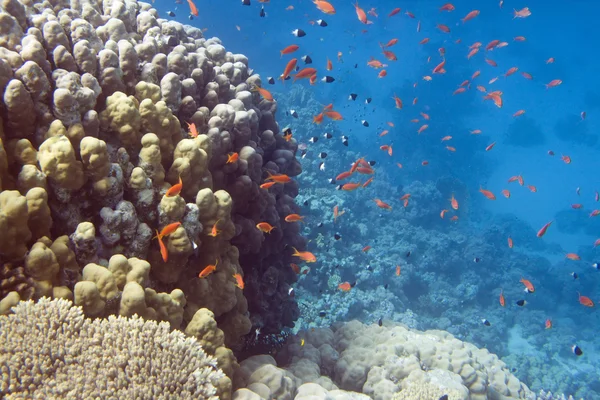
(441, 269)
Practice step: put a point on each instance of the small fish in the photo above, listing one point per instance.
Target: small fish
(501, 299)
(327, 135)
(262, 12)
(306, 59)
(548, 323)
(279, 178)
(163, 249)
(328, 79)
(368, 100)
(322, 155)
(485, 322)
(298, 32)
(523, 13)
(294, 218)
(380, 322)
(345, 286)
(209, 269)
(246, 2)
(521, 303)
(321, 23)
(264, 227)
(270, 80)
(586, 301)
(576, 350)
(170, 13)
(365, 123)
(543, 230)
(239, 281)
(167, 230)
(352, 96)
(476, 260)
(267, 185)
(337, 236)
(306, 256)
(322, 314)
(231, 158)
(574, 275)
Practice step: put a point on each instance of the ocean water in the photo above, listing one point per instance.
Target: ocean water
(451, 272)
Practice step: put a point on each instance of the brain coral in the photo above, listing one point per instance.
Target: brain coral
(51, 350)
(392, 361)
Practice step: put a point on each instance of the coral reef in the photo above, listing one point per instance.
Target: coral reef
(52, 350)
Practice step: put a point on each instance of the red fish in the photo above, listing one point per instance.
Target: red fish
(163, 249)
(510, 243)
(345, 287)
(586, 301)
(529, 288)
(447, 7)
(543, 230)
(360, 13)
(290, 49)
(394, 12)
(470, 16)
(487, 193)
(381, 204)
(501, 299)
(523, 13)
(193, 8)
(209, 269)
(175, 189)
(288, 69)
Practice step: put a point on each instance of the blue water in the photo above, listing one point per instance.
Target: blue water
(441, 286)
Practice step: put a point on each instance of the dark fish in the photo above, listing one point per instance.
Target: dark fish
(297, 68)
(476, 259)
(298, 32)
(262, 12)
(355, 65)
(191, 17)
(345, 142)
(293, 113)
(365, 123)
(352, 96)
(368, 100)
(337, 236)
(322, 314)
(353, 284)
(287, 131)
(327, 135)
(521, 303)
(287, 78)
(574, 275)
(170, 13)
(271, 80)
(305, 202)
(386, 286)
(245, 2)
(322, 166)
(371, 163)
(344, 137)
(313, 139)
(380, 322)
(306, 59)
(328, 79)
(303, 153)
(320, 225)
(576, 350)
(331, 180)
(596, 266)
(338, 187)
(321, 23)
(322, 154)
(444, 397)
(408, 254)
(485, 322)
(368, 267)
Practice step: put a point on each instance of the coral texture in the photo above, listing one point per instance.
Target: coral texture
(51, 350)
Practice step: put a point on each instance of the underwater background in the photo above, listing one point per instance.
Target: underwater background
(456, 270)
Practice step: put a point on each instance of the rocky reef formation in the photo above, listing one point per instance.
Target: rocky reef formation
(107, 108)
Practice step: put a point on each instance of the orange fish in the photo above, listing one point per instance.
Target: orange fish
(279, 178)
(231, 158)
(487, 193)
(163, 249)
(345, 287)
(532, 188)
(334, 115)
(470, 16)
(317, 119)
(175, 189)
(367, 182)
(267, 185)
(398, 270)
(344, 175)
(239, 281)
(501, 299)
(398, 102)
(193, 130)
(527, 75)
(453, 202)
(385, 132)
(529, 288)
(167, 230)
(294, 218)
(519, 38)
(214, 232)
(576, 206)
(324, 6)
(306, 256)
(405, 196)
(381, 204)
(523, 13)
(394, 12)
(193, 8)
(337, 213)
(305, 73)
(382, 73)
(586, 301)
(548, 323)
(360, 13)
(209, 269)
(295, 268)
(366, 248)
(573, 256)
(506, 193)
(288, 69)
(426, 116)
(287, 136)
(422, 129)
(450, 148)
(447, 7)
(290, 49)
(442, 213)
(446, 138)
(265, 94)
(264, 227)
(597, 243)
(543, 230)
(350, 186)
(454, 218)
(566, 159)
(510, 243)
(424, 41)
(511, 71)
(439, 69)
(518, 113)
(491, 62)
